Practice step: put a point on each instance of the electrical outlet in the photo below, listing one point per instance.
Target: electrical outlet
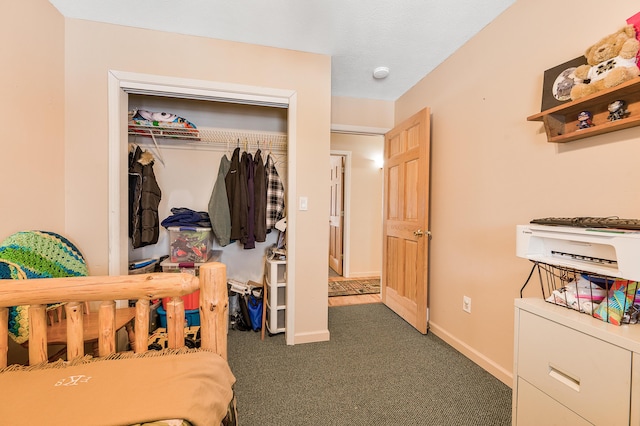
(466, 304)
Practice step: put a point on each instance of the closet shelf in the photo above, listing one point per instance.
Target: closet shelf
(225, 139)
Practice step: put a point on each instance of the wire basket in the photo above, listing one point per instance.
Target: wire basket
(613, 300)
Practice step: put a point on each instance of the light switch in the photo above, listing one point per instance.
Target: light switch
(303, 203)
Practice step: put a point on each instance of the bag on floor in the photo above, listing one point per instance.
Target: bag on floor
(254, 304)
(244, 312)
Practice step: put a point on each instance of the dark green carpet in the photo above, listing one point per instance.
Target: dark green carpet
(375, 370)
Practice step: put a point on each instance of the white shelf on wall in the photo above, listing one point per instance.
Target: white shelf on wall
(211, 138)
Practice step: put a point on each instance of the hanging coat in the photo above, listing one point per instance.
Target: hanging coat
(236, 185)
(275, 194)
(144, 198)
(249, 240)
(219, 205)
(260, 198)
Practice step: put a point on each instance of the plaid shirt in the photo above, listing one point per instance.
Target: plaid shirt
(275, 194)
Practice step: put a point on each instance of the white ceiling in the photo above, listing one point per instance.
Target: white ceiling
(410, 37)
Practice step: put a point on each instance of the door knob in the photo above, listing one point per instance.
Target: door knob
(418, 233)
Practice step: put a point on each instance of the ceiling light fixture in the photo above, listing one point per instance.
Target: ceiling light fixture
(380, 72)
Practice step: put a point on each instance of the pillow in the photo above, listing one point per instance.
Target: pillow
(36, 254)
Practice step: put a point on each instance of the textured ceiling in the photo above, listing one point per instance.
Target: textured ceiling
(410, 37)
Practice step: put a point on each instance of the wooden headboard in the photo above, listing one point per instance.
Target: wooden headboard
(38, 293)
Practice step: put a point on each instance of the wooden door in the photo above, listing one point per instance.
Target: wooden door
(405, 220)
(336, 213)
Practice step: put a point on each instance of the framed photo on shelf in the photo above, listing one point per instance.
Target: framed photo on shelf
(558, 82)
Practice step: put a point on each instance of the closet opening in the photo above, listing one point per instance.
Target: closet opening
(227, 116)
(358, 201)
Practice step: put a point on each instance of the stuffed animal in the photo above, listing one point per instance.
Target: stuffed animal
(610, 62)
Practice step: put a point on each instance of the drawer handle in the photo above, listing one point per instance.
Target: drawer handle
(564, 378)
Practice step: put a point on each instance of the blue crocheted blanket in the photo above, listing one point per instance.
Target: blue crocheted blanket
(36, 254)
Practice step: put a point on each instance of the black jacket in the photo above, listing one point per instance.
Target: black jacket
(236, 185)
(144, 198)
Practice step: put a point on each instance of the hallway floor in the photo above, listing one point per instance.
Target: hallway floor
(350, 300)
(354, 300)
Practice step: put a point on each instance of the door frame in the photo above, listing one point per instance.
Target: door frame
(346, 207)
(120, 84)
(346, 236)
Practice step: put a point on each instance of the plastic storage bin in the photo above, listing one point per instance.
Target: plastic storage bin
(144, 266)
(189, 267)
(191, 301)
(189, 244)
(192, 317)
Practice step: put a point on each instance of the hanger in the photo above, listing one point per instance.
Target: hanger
(158, 152)
(259, 151)
(276, 159)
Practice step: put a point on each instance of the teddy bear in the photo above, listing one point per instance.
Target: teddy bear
(610, 62)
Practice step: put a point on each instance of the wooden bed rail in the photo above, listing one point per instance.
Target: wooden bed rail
(37, 293)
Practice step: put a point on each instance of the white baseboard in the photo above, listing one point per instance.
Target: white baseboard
(494, 369)
(364, 274)
(316, 336)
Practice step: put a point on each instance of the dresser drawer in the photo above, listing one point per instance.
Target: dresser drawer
(585, 374)
(535, 408)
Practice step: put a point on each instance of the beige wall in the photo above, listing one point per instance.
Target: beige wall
(32, 107)
(354, 113)
(365, 202)
(92, 49)
(56, 78)
(491, 169)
